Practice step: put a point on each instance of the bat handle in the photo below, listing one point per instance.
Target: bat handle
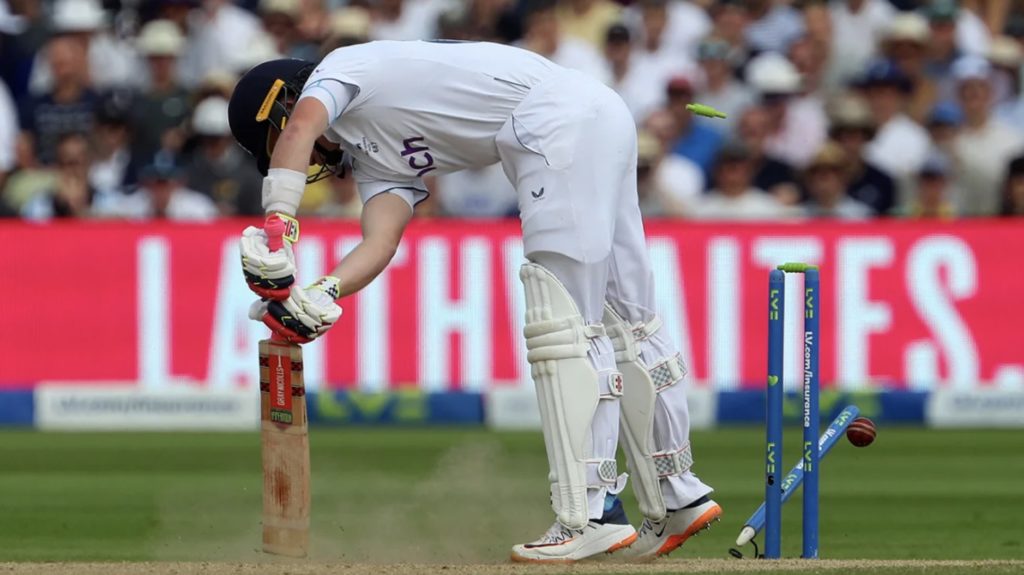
(274, 228)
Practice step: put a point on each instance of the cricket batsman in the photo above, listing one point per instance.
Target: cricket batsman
(399, 111)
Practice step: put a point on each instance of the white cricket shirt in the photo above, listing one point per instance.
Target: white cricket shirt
(405, 110)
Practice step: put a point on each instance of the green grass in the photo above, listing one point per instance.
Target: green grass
(467, 495)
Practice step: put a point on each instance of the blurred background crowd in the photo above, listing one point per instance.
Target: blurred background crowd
(847, 109)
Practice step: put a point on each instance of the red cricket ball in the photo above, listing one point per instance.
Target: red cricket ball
(861, 432)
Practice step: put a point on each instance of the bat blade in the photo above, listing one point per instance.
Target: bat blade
(285, 440)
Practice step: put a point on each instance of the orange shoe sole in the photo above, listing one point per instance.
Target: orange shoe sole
(703, 522)
(623, 544)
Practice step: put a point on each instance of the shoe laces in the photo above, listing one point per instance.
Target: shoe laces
(648, 526)
(558, 533)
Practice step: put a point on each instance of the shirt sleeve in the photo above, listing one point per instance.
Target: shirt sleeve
(334, 94)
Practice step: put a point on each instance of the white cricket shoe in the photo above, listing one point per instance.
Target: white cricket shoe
(657, 538)
(563, 545)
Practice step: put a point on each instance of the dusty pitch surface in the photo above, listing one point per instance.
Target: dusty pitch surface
(606, 568)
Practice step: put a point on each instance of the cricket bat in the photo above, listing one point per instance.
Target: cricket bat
(285, 439)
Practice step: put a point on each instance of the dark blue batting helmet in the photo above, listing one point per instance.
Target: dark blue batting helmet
(264, 97)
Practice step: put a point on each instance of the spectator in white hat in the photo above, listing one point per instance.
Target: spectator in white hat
(799, 122)
(163, 104)
(219, 168)
(983, 145)
(905, 44)
(112, 62)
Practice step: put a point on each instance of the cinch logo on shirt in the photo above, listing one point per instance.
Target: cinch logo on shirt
(419, 155)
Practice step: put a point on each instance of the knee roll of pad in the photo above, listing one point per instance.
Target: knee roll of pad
(569, 390)
(642, 384)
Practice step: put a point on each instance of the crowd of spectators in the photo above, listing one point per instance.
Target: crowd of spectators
(848, 109)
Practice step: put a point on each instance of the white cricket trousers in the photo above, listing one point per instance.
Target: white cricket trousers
(570, 151)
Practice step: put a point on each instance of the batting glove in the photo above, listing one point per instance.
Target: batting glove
(305, 315)
(269, 273)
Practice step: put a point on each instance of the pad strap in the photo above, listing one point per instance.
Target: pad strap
(642, 331)
(625, 337)
(668, 372)
(602, 472)
(669, 463)
(559, 338)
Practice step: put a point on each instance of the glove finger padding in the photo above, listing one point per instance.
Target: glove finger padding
(284, 325)
(307, 313)
(269, 274)
(260, 311)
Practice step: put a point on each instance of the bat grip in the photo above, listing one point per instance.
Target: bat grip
(274, 228)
